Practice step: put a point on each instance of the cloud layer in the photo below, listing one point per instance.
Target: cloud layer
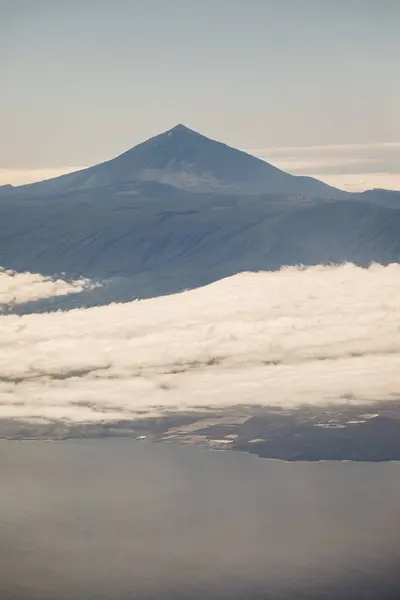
(19, 288)
(24, 176)
(297, 336)
(352, 167)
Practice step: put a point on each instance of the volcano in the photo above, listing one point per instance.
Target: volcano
(180, 211)
(187, 160)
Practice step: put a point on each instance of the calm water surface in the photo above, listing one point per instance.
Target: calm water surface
(112, 519)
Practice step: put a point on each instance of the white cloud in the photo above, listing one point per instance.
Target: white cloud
(24, 176)
(298, 336)
(18, 288)
(352, 167)
(329, 148)
(359, 182)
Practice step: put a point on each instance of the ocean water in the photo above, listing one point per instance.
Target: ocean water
(119, 520)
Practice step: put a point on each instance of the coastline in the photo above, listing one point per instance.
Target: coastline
(354, 433)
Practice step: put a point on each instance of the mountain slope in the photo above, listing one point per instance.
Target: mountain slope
(148, 247)
(187, 160)
(180, 211)
(388, 198)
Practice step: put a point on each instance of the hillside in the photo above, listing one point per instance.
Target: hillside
(134, 224)
(161, 241)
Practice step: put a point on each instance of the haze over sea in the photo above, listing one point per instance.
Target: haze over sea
(121, 520)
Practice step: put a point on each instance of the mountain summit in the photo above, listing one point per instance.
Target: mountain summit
(185, 159)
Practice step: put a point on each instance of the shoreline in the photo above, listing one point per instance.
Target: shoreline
(353, 433)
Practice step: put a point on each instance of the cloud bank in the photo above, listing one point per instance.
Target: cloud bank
(25, 176)
(19, 288)
(352, 167)
(298, 336)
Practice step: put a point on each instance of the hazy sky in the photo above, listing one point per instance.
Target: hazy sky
(84, 80)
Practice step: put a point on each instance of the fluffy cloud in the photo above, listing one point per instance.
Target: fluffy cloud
(19, 288)
(293, 337)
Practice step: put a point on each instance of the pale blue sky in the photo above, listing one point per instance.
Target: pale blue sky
(83, 80)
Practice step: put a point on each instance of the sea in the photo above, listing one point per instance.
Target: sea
(123, 519)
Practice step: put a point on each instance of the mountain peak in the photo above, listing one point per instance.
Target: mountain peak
(183, 158)
(180, 129)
